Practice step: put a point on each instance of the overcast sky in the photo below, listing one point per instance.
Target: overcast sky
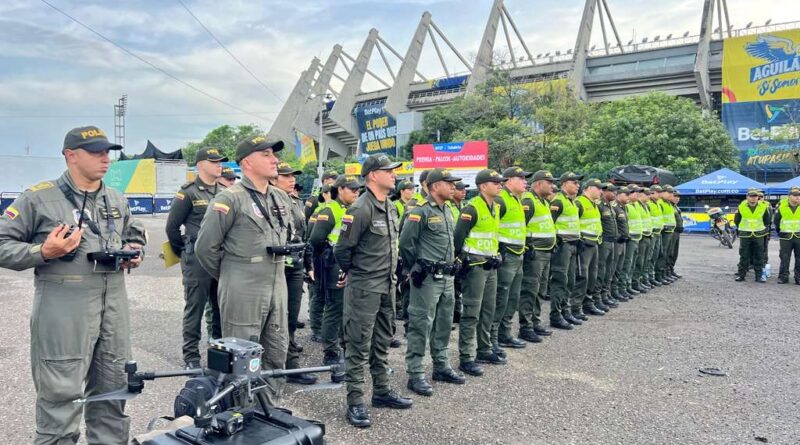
(55, 75)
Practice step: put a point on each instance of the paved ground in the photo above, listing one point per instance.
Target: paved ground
(628, 377)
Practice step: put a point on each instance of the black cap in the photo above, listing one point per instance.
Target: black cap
(405, 185)
(348, 181)
(285, 169)
(209, 154)
(229, 174)
(91, 139)
(594, 182)
(570, 176)
(325, 188)
(488, 175)
(543, 175)
(516, 172)
(256, 143)
(378, 162)
(440, 174)
(423, 177)
(461, 185)
(330, 174)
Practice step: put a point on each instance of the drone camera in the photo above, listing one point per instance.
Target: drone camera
(235, 356)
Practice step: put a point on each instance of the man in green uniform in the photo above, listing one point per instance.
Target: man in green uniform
(607, 252)
(617, 286)
(457, 203)
(771, 213)
(667, 234)
(676, 241)
(641, 279)
(426, 247)
(297, 264)
(635, 227)
(316, 299)
(227, 178)
(313, 204)
(235, 245)
(657, 222)
(79, 326)
(585, 298)
(540, 239)
(787, 221)
(367, 254)
(511, 238)
(405, 192)
(187, 210)
(564, 260)
(422, 195)
(477, 247)
(324, 236)
(752, 221)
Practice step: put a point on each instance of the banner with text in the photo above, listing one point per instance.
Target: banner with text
(377, 130)
(466, 159)
(761, 98)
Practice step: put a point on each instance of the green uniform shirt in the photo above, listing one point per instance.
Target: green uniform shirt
(187, 210)
(25, 224)
(367, 247)
(622, 220)
(428, 234)
(608, 220)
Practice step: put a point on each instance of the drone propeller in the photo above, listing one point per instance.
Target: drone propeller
(319, 387)
(120, 394)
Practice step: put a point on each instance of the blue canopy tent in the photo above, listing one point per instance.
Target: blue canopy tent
(717, 189)
(783, 187)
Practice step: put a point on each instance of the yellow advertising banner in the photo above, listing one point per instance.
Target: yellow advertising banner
(405, 169)
(761, 67)
(305, 148)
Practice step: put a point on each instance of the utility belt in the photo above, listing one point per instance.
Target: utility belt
(437, 269)
(609, 239)
(788, 235)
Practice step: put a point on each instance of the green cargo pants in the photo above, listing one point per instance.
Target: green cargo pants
(477, 314)
(618, 275)
(332, 326)
(642, 257)
(676, 248)
(586, 278)
(655, 252)
(631, 260)
(367, 334)
(294, 290)
(430, 318)
(197, 288)
(535, 274)
(253, 306)
(562, 278)
(667, 241)
(751, 253)
(544, 285)
(509, 280)
(787, 247)
(316, 306)
(606, 264)
(79, 336)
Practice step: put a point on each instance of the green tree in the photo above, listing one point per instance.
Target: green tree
(224, 138)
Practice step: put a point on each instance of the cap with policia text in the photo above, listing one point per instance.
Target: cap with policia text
(209, 154)
(439, 174)
(254, 144)
(91, 139)
(229, 174)
(330, 174)
(347, 181)
(543, 175)
(461, 185)
(594, 182)
(378, 162)
(516, 172)
(488, 175)
(285, 169)
(569, 176)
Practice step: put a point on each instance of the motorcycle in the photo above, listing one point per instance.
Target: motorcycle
(720, 227)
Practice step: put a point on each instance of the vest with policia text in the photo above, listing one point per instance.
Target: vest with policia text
(790, 221)
(512, 224)
(667, 216)
(541, 230)
(338, 212)
(591, 224)
(482, 239)
(568, 225)
(752, 223)
(647, 221)
(400, 208)
(635, 223)
(656, 217)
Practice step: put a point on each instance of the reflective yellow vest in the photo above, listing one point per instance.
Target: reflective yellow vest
(591, 225)
(656, 217)
(647, 222)
(338, 212)
(453, 209)
(568, 225)
(752, 223)
(482, 239)
(790, 221)
(541, 229)
(635, 226)
(512, 224)
(667, 216)
(400, 206)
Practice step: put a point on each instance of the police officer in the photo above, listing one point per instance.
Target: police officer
(644, 254)
(367, 254)
(511, 238)
(667, 235)
(787, 221)
(456, 204)
(405, 191)
(228, 177)
(752, 222)
(564, 260)
(422, 195)
(187, 210)
(324, 236)
(617, 285)
(477, 247)
(313, 204)
(586, 296)
(635, 228)
(676, 241)
(79, 324)
(316, 299)
(242, 226)
(607, 252)
(297, 265)
(539, 243)
(657, 222)
(426, 247)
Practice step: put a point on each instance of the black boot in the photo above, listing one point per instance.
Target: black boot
(420, 386)
(448, 376)
(591, 309)
(358, 416)
(529, 335)
(471, 368)
(541, 330)
(572, 320)
(560, 323)
(391, 400)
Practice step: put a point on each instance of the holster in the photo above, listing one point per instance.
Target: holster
(418, 275)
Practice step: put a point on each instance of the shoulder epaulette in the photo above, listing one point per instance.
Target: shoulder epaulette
(44, 185)
(185, 186)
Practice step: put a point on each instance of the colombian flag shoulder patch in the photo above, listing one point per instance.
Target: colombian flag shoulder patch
(347, 219)
(221, 208)
(466, 217)
(415, 218)
(322, 217)
(180, 195)
(11, 213)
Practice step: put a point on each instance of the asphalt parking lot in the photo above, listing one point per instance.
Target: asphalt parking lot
(630, 376)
